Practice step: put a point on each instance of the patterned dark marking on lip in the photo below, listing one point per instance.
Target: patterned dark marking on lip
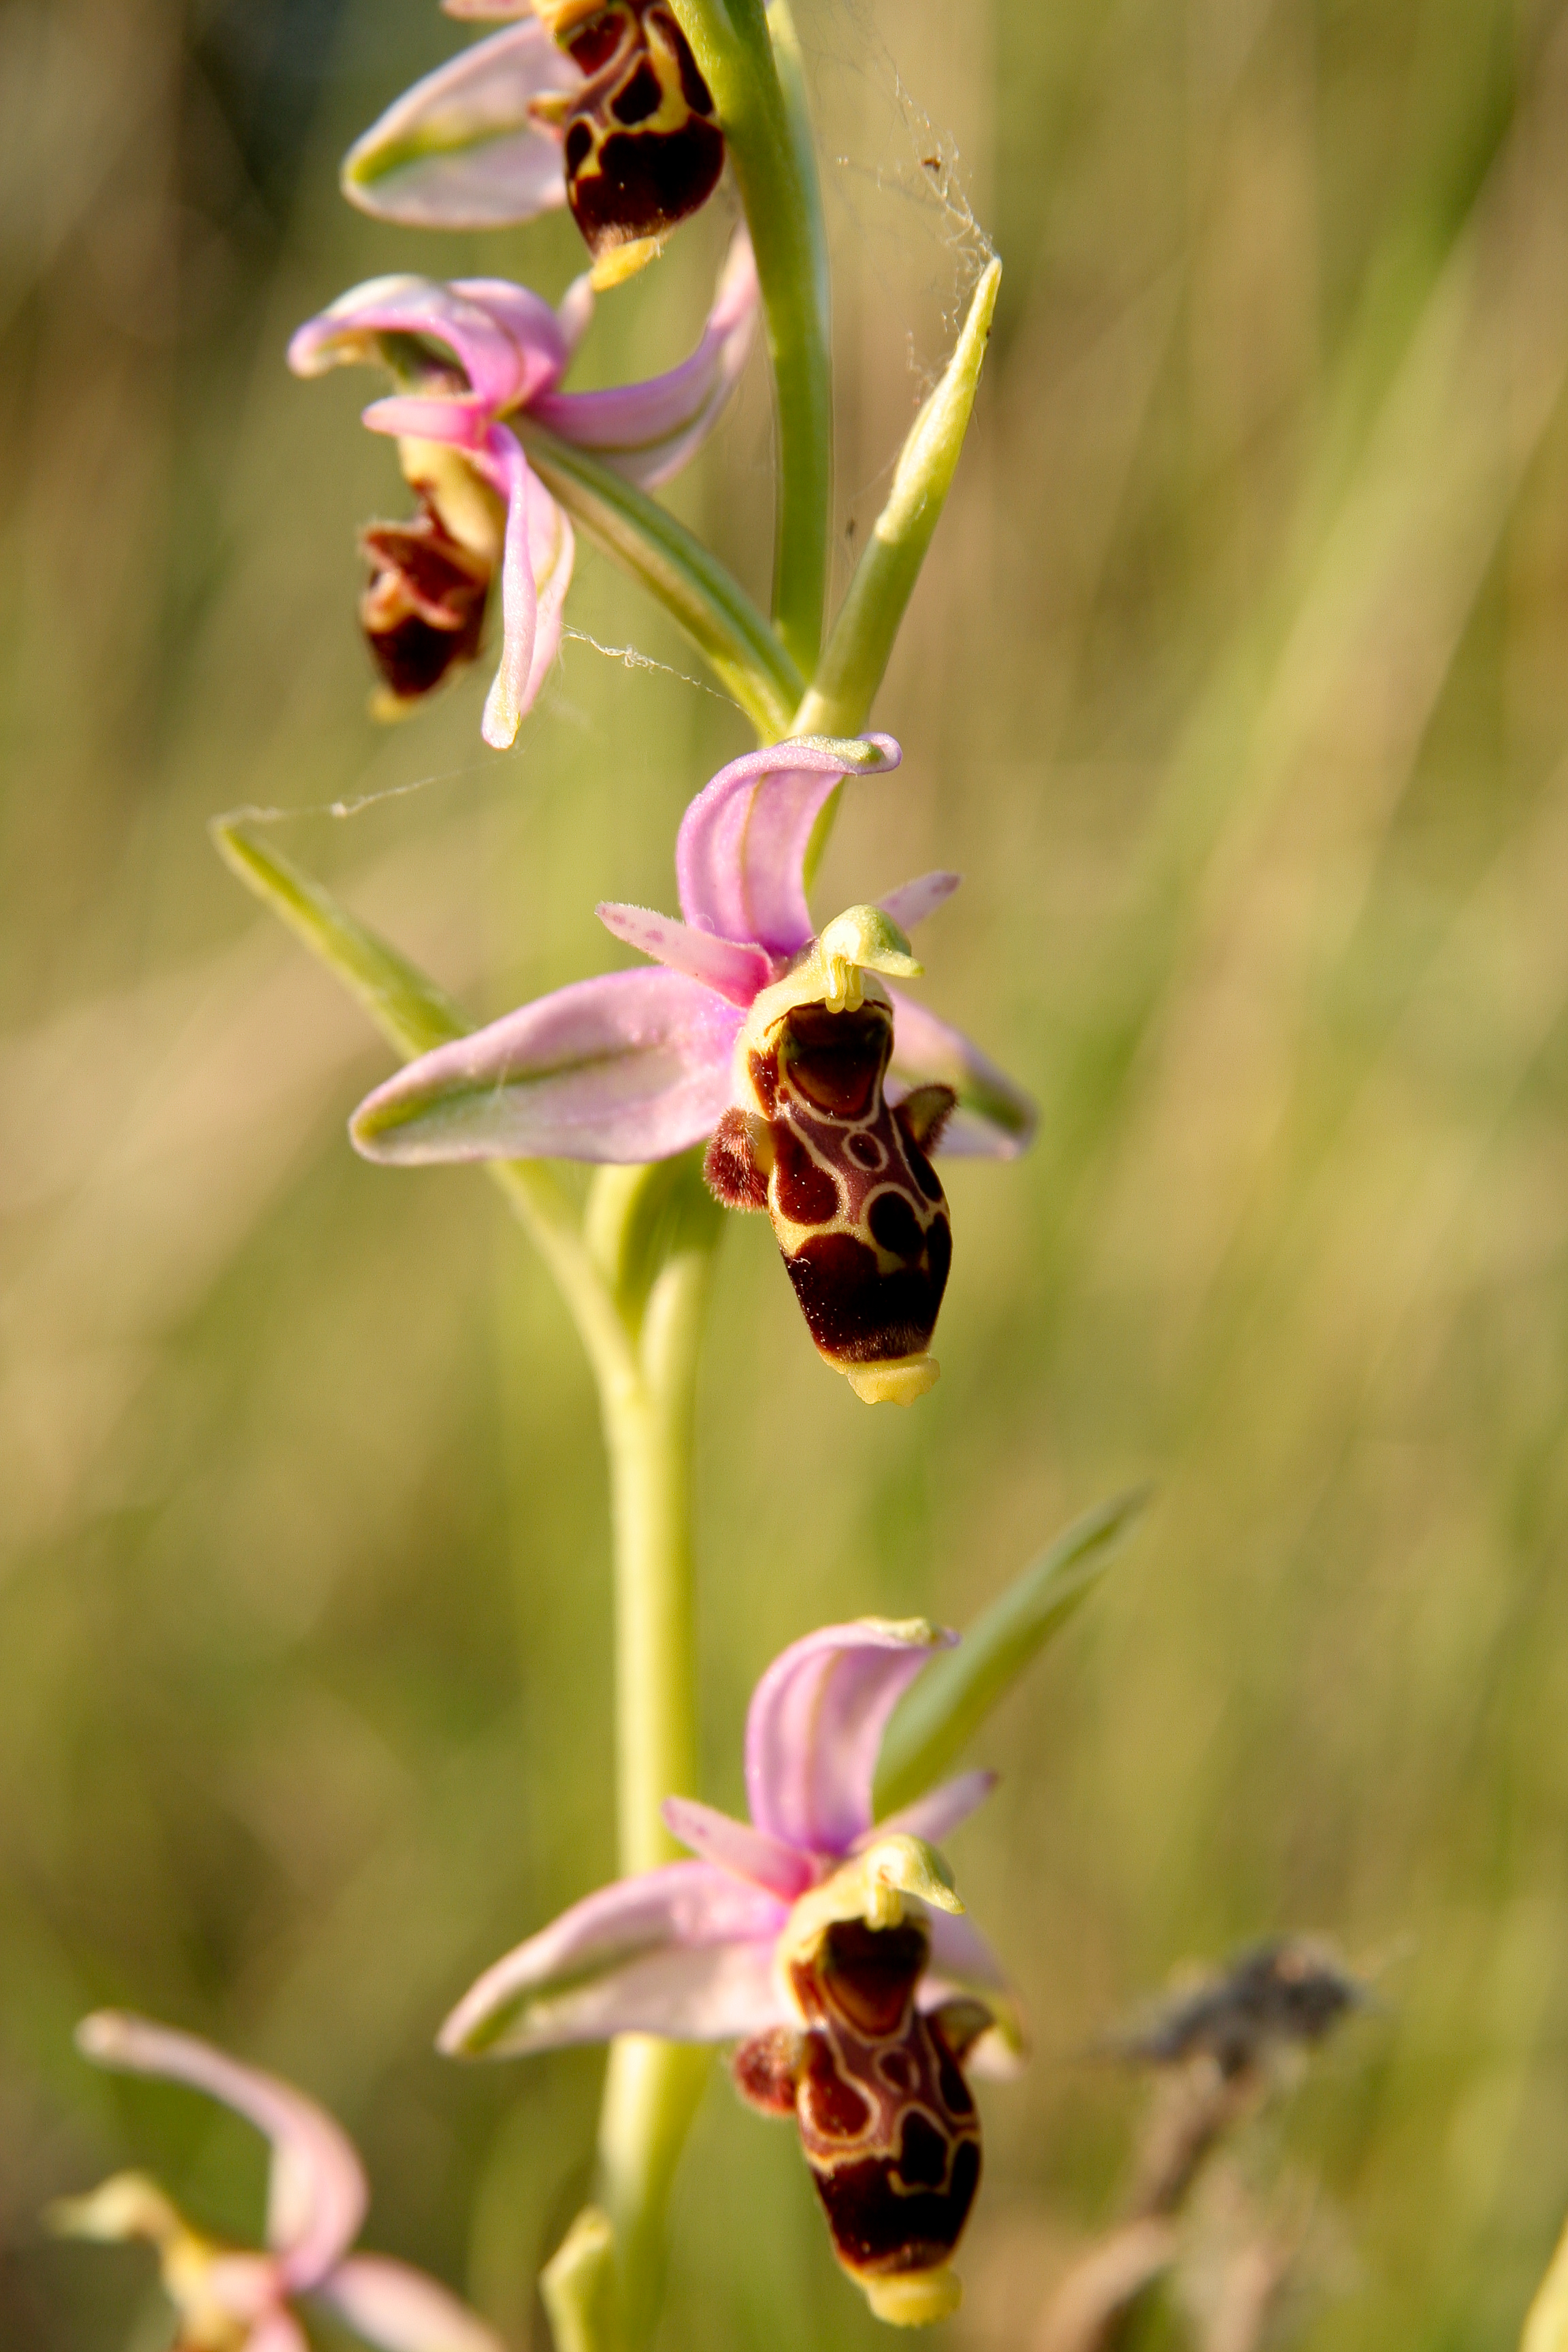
(642, 150)
(886, 2120)
(424, 610)
(857, 1206)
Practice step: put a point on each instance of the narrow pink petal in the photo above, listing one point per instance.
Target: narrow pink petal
(742, 841)
(647, 431)
(685, 1950)
(994, 1118)
(632, 1066)
(401, 2310)
(737, 971)
(913, 902)
(461, 150)
(317, 2198)
(738, 1848)
(508, 700)
(501, 355)
(486, 11)
(939, 1812)
(816, 1724)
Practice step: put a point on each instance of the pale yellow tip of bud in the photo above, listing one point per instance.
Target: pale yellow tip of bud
(623, 261)
(895, 1383)
(914, 2298)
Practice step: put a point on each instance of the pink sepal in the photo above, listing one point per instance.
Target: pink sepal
(632, 1066)
(684, 1950)
(647, 431)
(816, 1724)
(462, 149)
(994, 1118)
(740, 852)
(317, 2195)
(401, 2310)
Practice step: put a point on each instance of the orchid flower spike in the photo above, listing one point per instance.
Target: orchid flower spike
(232, 2300)
(823, 1088)
(598, 104)
(830, 1946)
(467, 357)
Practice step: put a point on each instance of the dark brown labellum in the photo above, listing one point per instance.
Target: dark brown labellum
(886, 2119)
(642, 148)
(424, 610)
(857, 1206)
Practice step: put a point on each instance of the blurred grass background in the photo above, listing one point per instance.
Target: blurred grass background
(1236, 687)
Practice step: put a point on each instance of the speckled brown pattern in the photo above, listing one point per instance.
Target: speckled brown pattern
(424, 609)
(857, 1207)
(886, 2119)
(642, 148)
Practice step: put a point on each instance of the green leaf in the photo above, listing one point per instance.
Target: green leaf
(690, 582)
(409, 1010)
(580, 2287)
(856, 656)
(960, 1688)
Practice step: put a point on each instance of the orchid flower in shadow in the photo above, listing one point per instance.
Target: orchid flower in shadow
(232, 2300)
(822, 1091)
(467, 357)
(597, 104)
(829, 1947)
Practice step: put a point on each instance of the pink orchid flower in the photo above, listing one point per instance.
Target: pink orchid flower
(598, 104)
(830, 1946)
(230, 2300)
(822, 1091)
(470, 355)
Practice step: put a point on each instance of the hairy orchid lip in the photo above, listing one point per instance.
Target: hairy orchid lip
(857, 1208)
(887, 2122)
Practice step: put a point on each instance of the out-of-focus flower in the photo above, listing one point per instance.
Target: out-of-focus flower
(230, 2299)
(775, 1043)
(467, 357)
(830, 1946)
(1291, 1991)
(595, 103)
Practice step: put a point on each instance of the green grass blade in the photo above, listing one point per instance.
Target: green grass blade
(960, 1688)
(408, 1009)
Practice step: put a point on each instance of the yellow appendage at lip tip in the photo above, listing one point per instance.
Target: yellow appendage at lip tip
(896, 1383)
(914, 2298)
(623, 261)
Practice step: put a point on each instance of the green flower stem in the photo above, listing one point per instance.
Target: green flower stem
(762, 112)
(652, 1233)
(634, 1275)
